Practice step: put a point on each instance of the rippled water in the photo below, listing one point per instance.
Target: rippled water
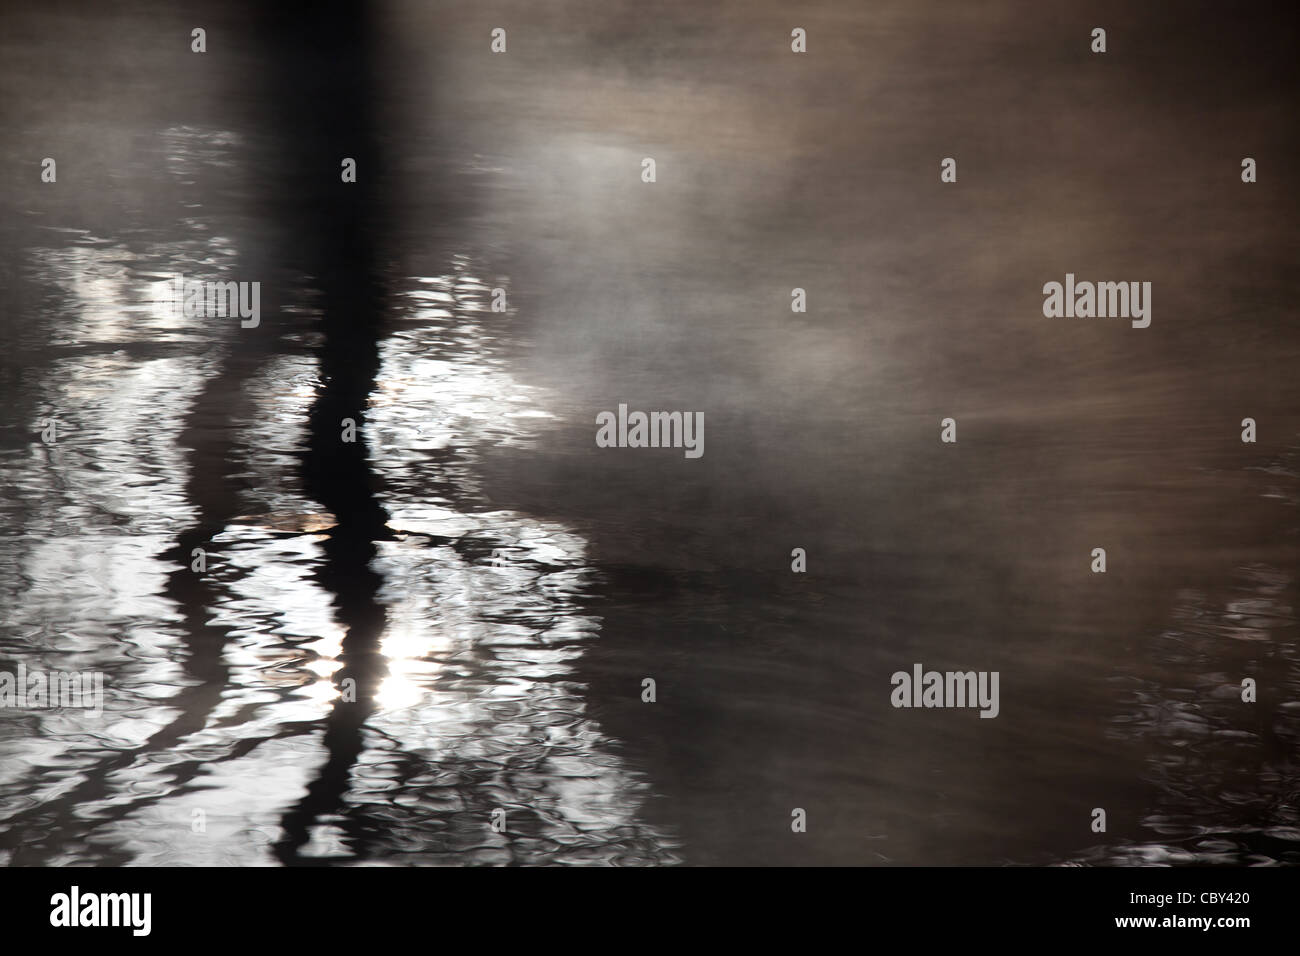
(494, 589)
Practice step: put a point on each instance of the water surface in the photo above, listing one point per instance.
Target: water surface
(495, 589)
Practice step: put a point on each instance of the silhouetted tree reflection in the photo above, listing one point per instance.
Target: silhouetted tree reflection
(321, 99)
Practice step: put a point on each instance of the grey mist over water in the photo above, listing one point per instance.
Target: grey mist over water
(494, 587)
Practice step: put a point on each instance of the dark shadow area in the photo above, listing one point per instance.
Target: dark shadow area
(322, 98)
